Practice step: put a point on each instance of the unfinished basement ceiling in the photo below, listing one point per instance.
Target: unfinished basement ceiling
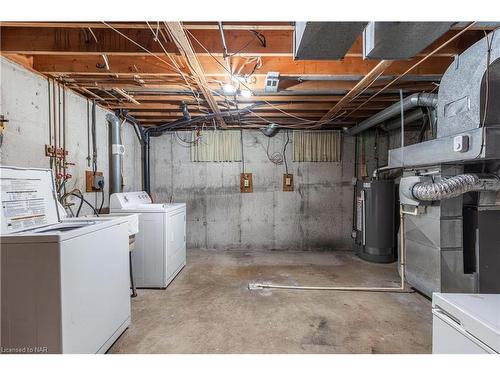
(151, 68)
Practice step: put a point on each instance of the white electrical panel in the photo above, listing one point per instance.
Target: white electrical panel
(272, 81)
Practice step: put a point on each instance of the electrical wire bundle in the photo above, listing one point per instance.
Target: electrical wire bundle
(284, 151)
(278, 158)
(188, 78)
(78, 194)
(190, 143)
(302, 122)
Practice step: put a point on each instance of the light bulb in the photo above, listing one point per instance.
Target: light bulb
(246, 93)
(228, 89)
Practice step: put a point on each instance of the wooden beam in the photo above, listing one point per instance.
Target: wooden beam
(258, 26)
(130, 98)
(92, 94)
(285, 65)
(184, 45)
(145, 98)
(356, 90)
(164, 107)
(75, 41)
(26, 61)
(480, 26)
(309, 115)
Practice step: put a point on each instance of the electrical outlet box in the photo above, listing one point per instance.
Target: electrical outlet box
(272, 82)
(93, 182)
(98, 182)
(246, 184)
(461, 143)
(287, 182)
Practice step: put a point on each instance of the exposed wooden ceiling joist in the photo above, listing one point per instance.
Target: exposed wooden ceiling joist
(148, 64)
(184, 45)
(358, 89)
(142, 25)
(76, 41)
(138, 81)
(80, 41)
(164, 107)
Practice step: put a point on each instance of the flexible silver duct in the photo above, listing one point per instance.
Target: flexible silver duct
(453, 187)
(412, 101)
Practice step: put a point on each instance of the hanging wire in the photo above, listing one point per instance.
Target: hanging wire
(411, 68)
(230, 73)
(487, 75)
(284, 151)
(275, 157)
(141, 47)
(177, 67)
(303, 121)
(248, 88)
(242, 154)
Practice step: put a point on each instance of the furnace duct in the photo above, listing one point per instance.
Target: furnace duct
(410, 102)
(453, 187)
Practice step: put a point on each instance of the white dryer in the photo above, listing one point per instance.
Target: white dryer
(465, 323)
(160, 250)
(64, 283)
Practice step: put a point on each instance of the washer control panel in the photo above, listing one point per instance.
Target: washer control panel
(129, 200)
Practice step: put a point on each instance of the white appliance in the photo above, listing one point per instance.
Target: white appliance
(465, 323)
(132, 220)
(160, 248)
(64, 283)
(133, 229)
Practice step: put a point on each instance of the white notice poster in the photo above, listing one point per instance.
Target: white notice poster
(27, 199)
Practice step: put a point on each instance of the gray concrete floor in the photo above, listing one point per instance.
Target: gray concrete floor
(209, 309)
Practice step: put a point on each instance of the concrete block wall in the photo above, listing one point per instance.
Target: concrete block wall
(317, 215)
(25, 103)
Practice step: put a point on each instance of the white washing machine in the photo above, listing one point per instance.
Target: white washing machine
(465, 323)
(64, 283)
(160, 248)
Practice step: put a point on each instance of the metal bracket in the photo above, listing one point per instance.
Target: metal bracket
(456, 60)
(3, 121)
(413, 212)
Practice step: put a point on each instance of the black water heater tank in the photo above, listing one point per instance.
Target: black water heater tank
(375, 222)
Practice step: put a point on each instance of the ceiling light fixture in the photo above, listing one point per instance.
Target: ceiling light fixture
(246, 93)
(228, 89)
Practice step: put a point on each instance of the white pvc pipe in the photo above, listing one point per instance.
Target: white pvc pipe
(399, 289)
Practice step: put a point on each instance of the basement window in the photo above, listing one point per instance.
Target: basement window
(217, 146)
(317, 146)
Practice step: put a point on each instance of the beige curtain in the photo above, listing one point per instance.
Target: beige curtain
(217, 145)
(317, 145)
